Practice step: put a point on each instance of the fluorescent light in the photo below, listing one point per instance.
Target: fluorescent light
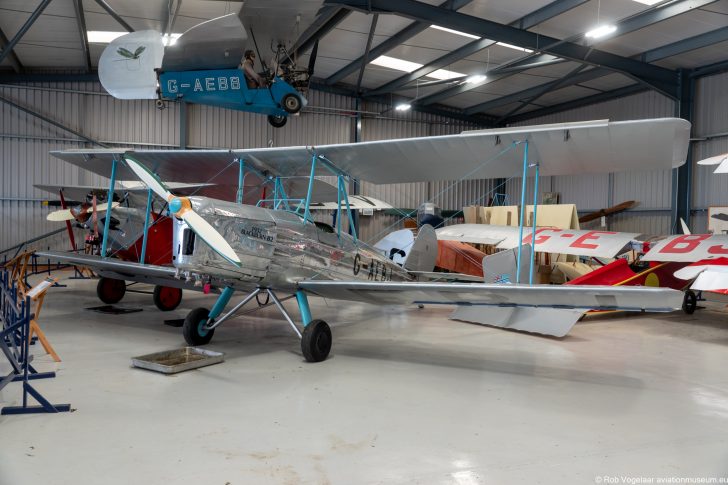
(106, 36)
(103, 36)
(475, 79)
(403, 106)
(409, 66)
(511, 46)
(601, 31)
(456, 32)
(648, 2)
(397, 64)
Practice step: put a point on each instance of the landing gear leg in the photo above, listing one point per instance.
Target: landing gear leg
(199, 326)
(316, 340)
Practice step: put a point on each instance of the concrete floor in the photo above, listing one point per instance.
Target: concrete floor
(406, 397)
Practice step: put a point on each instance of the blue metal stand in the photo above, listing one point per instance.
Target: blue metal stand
(15, 317)
(221, 302)
(241, 181)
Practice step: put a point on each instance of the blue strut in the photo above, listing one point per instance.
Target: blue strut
(109, 202)
(146, 226)
(533, 231)
(523, 209)
(303, 307)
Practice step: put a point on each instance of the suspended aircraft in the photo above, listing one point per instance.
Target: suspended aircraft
(202, 65)
(275, 249)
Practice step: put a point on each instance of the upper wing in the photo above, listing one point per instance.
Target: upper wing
(356, 202)
(547, 296)
(688, 248)
(560, 149)
(213, 44)
(603, 244)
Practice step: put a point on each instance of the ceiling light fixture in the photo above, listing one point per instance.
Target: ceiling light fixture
(409, 66)
(402, 106)
(601, 31)
(648, 2)
(511, 46)
(476, 78)
(107, 36)
(456, 32)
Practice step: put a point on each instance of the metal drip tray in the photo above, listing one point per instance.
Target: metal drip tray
(179, 360)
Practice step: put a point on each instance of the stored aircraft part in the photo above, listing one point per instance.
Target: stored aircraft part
(500, 267)
(556, 322)
(215, 44)
(540, 296)
(397, 245)
(688, 248)
(126, 67)
(608, 211)
(459, 257)
(591, 147)
(606, 244)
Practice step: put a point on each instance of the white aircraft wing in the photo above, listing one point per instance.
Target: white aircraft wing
(356, 202)
(688, 248)
(560, 149)
(473, 295)
(720, 160)
(603, 244)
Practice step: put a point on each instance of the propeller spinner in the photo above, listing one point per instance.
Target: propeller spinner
(181, 207)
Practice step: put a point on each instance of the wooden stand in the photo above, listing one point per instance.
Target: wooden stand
(18, 267)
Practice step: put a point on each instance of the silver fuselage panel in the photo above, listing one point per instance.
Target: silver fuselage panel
(276, 249)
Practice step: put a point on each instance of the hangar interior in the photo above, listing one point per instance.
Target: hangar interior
(417, 399)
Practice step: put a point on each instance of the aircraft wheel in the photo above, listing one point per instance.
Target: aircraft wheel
(193, 330)
(291, 103)
(277, 121)
(167, 298)
(316, 341)
(110, 290)
(690, 302)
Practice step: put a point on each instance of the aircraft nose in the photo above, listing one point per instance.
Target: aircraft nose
(175, 205)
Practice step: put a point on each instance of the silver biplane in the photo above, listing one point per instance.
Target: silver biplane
(277, 248)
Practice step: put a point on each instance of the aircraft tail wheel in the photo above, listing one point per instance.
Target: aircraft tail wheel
(316, 341)
(291, 103)
(193, 328)
(167, 298)
(690, 302)
(110, 291)
(277, 121)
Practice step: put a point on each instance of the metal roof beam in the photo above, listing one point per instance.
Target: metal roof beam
(658, 78)
(12, 57)
(26, 26)
(578, 103)
(326, 20)
(117, 17)
(686, 45)
(400, 37)
(656, 14)
(365, 57)
(81, 21)
(545, 13)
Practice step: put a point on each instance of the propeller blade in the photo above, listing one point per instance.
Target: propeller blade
(148, 178)
(102, 207)
(312, 59)
(210, 235)
(60, 215)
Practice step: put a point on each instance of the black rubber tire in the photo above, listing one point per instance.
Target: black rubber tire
(192, 328)
(277, 121)
(690, 302)
(291, 103)
(167, 298)
(316, 341)
(110, 290)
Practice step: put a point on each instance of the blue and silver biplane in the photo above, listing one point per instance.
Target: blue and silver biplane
(275, 247)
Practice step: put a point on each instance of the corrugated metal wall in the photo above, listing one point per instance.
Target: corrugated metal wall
(25, 142)
(593, 192)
